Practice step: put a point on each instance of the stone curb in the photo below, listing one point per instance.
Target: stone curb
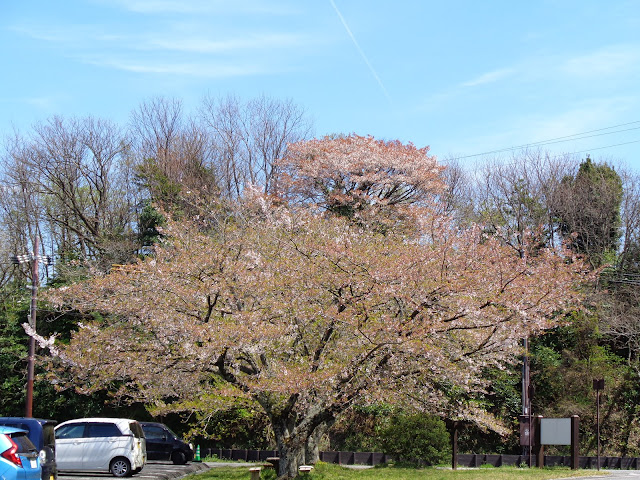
(193, 467)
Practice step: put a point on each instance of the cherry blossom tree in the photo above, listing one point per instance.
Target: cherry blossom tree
(306, 314)
(370, 181)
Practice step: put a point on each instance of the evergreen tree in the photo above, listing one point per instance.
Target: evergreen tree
(588, 210)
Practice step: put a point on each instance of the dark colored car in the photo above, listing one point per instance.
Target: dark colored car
(42, 435)
(163, 444)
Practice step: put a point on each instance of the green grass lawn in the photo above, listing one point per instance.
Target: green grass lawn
(335, 472)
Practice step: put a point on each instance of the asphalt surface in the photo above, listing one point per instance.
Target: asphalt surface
(613, 474)
(153, 470)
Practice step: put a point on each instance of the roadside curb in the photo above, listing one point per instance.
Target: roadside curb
(232, 464)
(197, 467)
(194, 467)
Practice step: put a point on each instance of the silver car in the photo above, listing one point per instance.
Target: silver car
(115, 445)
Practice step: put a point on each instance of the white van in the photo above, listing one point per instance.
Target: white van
(115, 445)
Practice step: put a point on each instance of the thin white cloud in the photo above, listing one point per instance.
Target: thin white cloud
(611, 60)
(561, 72)
(43, 103)
(76, 37)
(199, 6)
(551, 131)
(46, 103)
(53, 35)
(489, 77)
(166, 6)
(364, 57)
(615, 60)
(195, 69)
(241, 55)
(587, 115)
(204, 45)
(87, 37)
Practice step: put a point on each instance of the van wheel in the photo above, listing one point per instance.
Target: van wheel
(178, 458)
(120, 467)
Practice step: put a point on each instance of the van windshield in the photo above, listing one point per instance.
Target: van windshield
(136, 429)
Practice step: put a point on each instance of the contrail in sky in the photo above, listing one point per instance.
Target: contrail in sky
(364, 57)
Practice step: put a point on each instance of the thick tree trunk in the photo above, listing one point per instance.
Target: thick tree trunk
(312, 450)
(291, 457)
(291, 444)
(297, 433)
(297, 447)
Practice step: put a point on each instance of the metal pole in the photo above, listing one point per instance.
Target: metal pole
(32, 324)
(530, 437)
(533, 427)
(454, 446)
(526, 401)
(598, 385)
(598, 423)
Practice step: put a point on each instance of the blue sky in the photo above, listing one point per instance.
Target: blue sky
(465, 77)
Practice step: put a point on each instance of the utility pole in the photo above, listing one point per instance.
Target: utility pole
(598, 386)
(33, 258)
(526, 397)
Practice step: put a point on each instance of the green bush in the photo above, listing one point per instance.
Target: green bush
(416, 437)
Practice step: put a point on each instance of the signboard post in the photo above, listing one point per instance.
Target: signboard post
(539, 446)
(575, 443)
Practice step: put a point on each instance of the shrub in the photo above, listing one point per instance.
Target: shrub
(416, 437)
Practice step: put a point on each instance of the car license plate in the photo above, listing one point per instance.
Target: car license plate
(33, 462)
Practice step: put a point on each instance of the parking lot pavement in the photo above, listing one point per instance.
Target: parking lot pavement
(152, 470)
(610, 475)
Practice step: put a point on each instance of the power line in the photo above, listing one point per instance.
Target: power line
(539, 144)
(608, 146)
(583, 137)
(566, 138)
(589, 131)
